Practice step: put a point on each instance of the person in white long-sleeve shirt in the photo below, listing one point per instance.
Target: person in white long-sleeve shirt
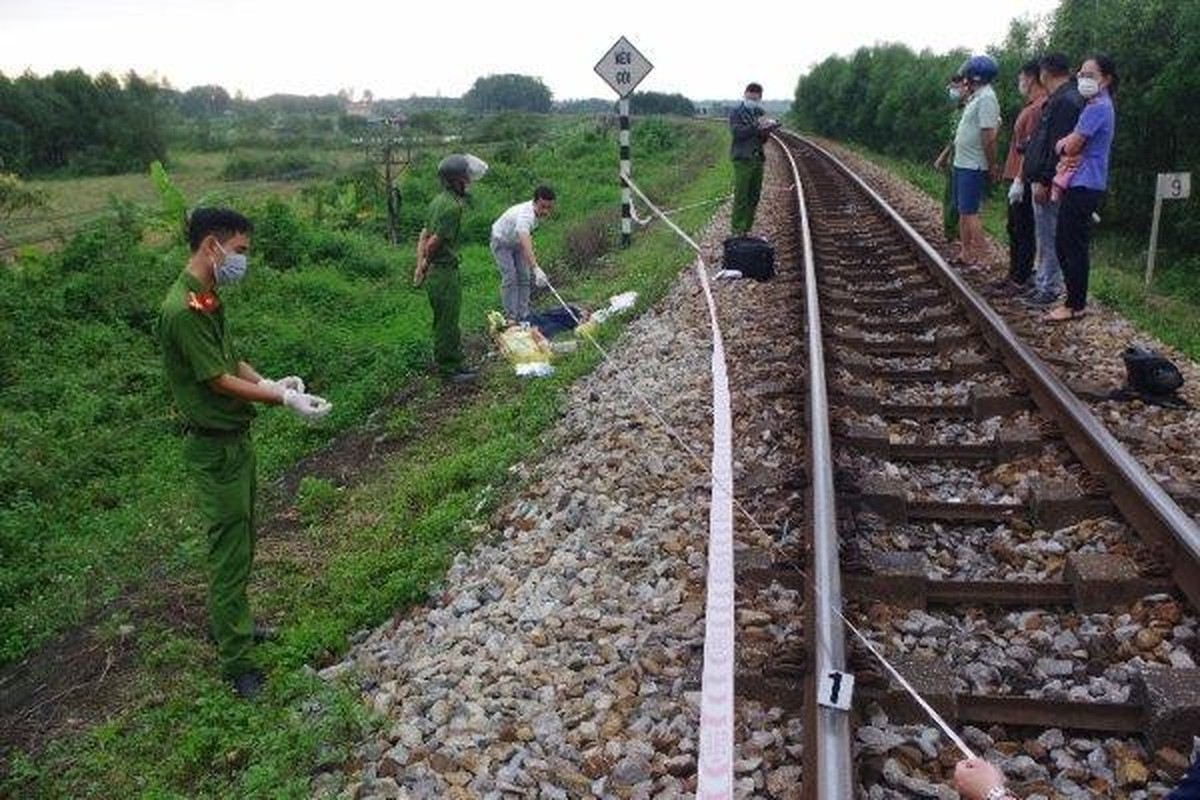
(512, 247)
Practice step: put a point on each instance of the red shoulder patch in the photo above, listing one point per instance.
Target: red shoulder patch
(204, 302)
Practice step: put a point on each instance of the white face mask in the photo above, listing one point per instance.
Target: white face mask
(1088, 87)
(752, 103)
(231, 269)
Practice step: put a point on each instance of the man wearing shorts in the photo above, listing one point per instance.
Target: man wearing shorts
(975, 154)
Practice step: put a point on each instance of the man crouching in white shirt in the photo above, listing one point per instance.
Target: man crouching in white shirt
(512, 247)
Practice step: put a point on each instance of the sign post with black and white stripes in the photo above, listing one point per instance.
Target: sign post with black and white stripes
(623, 67)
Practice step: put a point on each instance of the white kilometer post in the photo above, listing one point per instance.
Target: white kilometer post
(1170, 186)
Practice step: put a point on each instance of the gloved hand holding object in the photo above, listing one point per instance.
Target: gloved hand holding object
(292, 382)
(1016, 192)
(308, 407)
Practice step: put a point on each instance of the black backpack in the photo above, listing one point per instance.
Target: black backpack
(750, 255)
(1148, 372)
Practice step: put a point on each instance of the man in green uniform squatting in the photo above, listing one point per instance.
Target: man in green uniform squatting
(750, 129)
(214, 391)
(437, 262)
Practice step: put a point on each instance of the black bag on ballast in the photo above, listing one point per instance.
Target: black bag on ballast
(1148, 372)
(750, 255)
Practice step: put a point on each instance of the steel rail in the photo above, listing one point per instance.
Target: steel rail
(827, 762)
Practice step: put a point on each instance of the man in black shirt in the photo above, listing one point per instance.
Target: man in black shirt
(1059, 115)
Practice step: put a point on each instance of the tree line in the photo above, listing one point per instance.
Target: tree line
(893, 99)
(69, 122)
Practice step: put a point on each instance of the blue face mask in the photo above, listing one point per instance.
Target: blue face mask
(231, 269)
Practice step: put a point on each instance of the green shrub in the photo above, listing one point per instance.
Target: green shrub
(654, 135)
(274, 166)
(280, 238)
(351, 254)
(589, 239)
(514, 128)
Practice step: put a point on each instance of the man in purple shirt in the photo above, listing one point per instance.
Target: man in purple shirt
(1084, 155)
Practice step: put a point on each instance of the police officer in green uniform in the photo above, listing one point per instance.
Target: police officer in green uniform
(749, 128)
(214, 391)
(438, 260)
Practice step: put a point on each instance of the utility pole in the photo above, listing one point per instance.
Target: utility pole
(393, 150)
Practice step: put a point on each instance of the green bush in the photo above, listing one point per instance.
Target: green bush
(589, 239)
(281, 239)
(655, 135)
(274, 166)
(511, 127)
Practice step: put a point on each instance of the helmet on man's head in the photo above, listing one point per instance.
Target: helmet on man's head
(454, 171)
(980, 69)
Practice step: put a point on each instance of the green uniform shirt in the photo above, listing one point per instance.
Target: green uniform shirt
(197, 348)
(445, 222)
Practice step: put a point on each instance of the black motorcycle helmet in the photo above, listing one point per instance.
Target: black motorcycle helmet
(458, 170)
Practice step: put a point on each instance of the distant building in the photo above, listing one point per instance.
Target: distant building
(360, 109)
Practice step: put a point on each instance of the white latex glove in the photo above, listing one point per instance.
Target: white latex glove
(1016, 192)
(539, 278)
(280, 386)
(306, 406)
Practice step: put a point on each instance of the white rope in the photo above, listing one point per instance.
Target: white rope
(908, 687)
(644, 221)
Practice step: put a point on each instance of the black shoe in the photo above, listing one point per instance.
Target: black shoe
(248, 685)
(1041, 300)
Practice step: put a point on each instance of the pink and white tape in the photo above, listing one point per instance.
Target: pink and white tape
(715, 770)
(715, 767)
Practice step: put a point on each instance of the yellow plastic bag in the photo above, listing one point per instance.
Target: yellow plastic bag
(524, 345)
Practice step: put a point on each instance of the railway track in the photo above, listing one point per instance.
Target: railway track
(993, 541)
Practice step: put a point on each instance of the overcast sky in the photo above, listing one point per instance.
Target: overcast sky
(395, 49)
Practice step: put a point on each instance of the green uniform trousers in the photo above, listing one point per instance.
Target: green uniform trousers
(444, 288)
(747, 188)
(222, 471)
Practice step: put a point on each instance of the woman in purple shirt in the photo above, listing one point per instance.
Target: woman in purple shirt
(1085, 159)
